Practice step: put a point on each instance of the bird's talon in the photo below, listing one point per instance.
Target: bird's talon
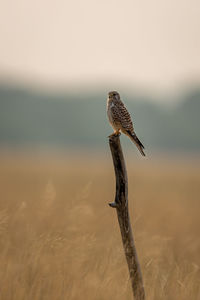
(114, 134)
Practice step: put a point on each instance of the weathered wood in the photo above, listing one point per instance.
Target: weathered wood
(121, 205)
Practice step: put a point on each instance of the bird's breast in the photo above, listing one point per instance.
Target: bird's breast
(110, 104)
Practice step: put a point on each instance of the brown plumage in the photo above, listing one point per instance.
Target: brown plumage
(120, 119)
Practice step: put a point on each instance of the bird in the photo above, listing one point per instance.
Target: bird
(120, 119)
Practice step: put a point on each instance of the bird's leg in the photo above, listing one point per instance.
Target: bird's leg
(115, 133)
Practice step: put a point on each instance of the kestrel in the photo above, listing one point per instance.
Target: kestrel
(120, 119)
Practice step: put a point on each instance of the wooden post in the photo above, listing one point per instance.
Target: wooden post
(121, 205)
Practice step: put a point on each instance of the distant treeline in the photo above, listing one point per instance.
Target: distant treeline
(30, 117)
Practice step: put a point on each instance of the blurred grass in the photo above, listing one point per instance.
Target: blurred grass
(60, 239)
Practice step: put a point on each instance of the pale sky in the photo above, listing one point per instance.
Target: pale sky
(149, 43)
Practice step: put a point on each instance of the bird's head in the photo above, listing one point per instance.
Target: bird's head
(114, 95)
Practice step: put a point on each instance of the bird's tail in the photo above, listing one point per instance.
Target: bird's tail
(137, 142)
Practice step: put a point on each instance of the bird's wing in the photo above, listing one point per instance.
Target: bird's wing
(121, 115)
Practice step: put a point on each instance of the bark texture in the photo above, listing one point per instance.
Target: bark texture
(121, 205)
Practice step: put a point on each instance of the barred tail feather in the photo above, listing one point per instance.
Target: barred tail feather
(137, 142)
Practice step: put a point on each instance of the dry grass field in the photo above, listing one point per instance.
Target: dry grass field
(60, 240)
